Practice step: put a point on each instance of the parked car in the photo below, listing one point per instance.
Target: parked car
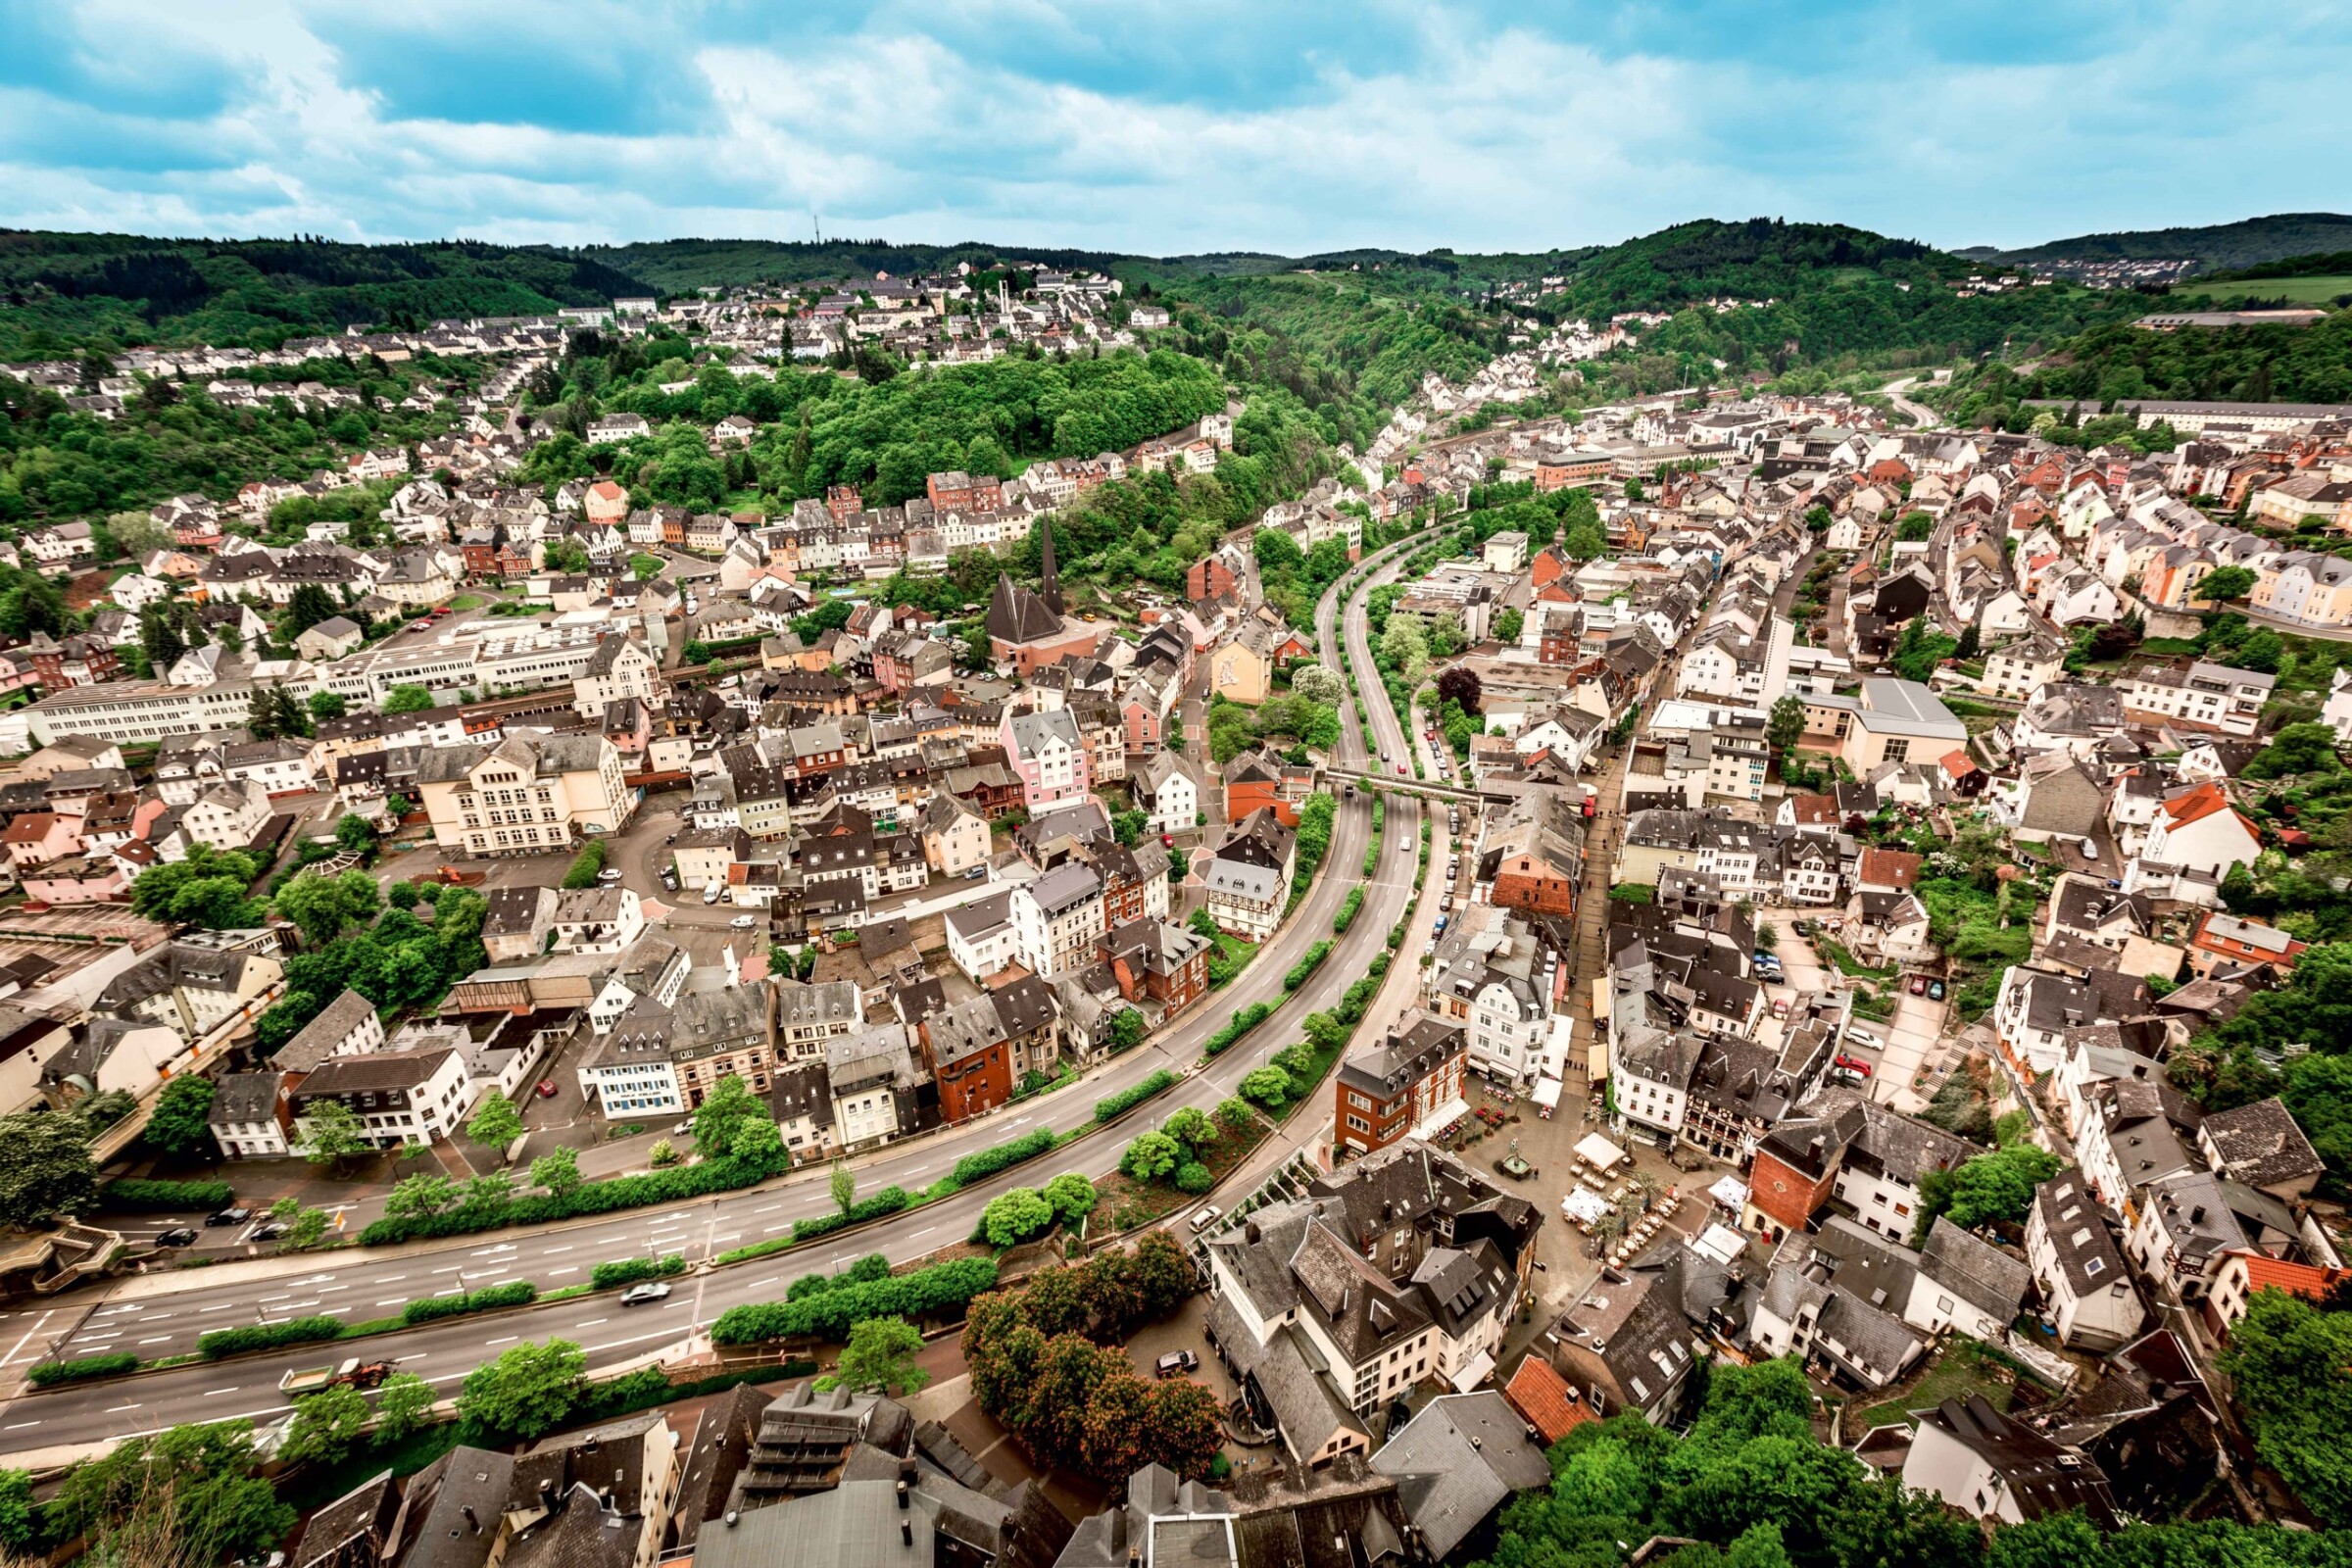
(1441, 925)
(1780, 1007)
(1935, 991)
(639, 1295)
(1853, 1065)
(1204, 1217)
(743, 922)
(1845, 1080)
(547, 1089)
(268, 1231)
(1176, 1364)
(421, 626)
(611, 873)
(710, 893)
(177, 1236)
(1447, 903)
(1918, 985)
(1865, 1039)
(230, 1216)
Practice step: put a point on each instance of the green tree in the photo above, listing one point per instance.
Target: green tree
(2223, 584)
(1127, 1030)
(843, 1182)
(722, 1113)
(1072, 1196)
(325, 907)
(325, 706)
(17, 1525)
(304, 1227)
(2292, 1366)
(1785, 726)
(2297, 749)
(214, 1508)
(528, 1390)
(332, 1133)
(402, 1405)
(558, 1170)
(1151, 1155)
(45, 1169)
(408, 700)
(1015, 1215)
(1508, 624)
(425, 1193)
(1269, 1086)
(1586, 539)
(326, 1425)
(1191, 1127)
(355, 834)
(494, 1122)
(1234, 1116)
(879, 1357)
(179, 1126)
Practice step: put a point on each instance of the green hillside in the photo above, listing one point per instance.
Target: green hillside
(2215, 247)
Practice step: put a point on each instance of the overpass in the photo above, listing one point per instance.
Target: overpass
(1419, 789)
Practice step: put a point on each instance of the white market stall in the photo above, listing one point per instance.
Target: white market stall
(1599, 1153)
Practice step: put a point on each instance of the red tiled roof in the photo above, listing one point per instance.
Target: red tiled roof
(2266, 1273)
(1893, 868)
(1537, 1393)
(2194, 805)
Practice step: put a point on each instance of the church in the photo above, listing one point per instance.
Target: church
(1028, 630)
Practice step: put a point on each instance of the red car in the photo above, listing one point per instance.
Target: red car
(1918, 985)
(1853, 1065)
(1401, 770)
(547, 1089)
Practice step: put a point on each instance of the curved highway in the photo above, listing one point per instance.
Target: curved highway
(357, 1285)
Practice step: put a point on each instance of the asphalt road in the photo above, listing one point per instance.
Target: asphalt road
(357, 1287)
(1919, 413)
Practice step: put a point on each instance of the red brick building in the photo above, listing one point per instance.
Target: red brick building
(958, 491)
(1407, 1081)
(841, 500)
(1255, 780)
(1155, 962)
(1209, 578)
(1783, 1194)
(969, 1058)
(79, 660)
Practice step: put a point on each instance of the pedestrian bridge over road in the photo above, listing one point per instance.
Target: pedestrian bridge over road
(1420, 788)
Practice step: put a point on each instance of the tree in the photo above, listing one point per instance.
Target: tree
(1818, 519)
(1508, 624)
(17, 1531)
(494, 1122)
(402, 1405)
(355, 834)
(1234, 1116)
(408, 700)
(1015, 1215)
(332, 1133)
(2223, 584)
(558, 1170)
(1585, 539)
(2297, 749)
(1127, 1026)
(844, 1184)
(1405, 647)
(1072, 1196)
(179, 1125)
(415, 1197)
(1785, 726)
(324, 907)
(527, 1391)
(1151, 1155)
(878, 1357)
(1972, 643)
(325, 706)
(304, 1227)
(1318, 683)
(310, 605)
(1191, 1127)
(1268, 1086)
(45, 1169)
(1988, 1189)
(213, 1508)
(1460, 685)
(2292, 1365)
(326, 1424)
(722, 1113)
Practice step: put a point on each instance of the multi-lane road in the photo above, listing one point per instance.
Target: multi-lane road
(360, 1285)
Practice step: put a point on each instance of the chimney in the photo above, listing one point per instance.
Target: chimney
(1250, 1232)
(732, 1516)
(472, 1523)
(902, 1499)
(905, 1531)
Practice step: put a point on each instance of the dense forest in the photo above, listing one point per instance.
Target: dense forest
(61, 292)
(2118, 363)
(2216, 246)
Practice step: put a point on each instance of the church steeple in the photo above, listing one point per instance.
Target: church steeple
(1050, 589)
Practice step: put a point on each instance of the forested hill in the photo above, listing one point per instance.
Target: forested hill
(2214, 248)
(61, 291)
(676, 266)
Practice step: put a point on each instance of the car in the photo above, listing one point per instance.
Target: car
(1204, 1217)
(1439, 927)
(1446, 904)
(710, 893)
(975, 873)
(1780, 1007)
(176, 1235)
(1846, 1080)
(230, 1216)
(421, 626)
(669, 881)
(1865, 1039)
(1167, 841)
(1401, 770)
(1175, 1364)
(547, 1089)
(270, 1231)
(1853, 1065)
(743, 922)
(639, 1295)
(611, 873)
(1935, 991)
(682, 1128)
(1429, 949)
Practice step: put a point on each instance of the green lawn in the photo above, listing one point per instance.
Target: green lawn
(2301, 291)
(467, 601)
(1837, 952)
(1961, 1368)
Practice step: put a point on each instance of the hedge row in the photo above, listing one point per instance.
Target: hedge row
(830, 1313)
(516, 1292)
(1111, 1106)
(1348, 906)
(1240, 1024)
(112, 1365)
(1308, 965)
(629, 1270)
(889, 1201)
(268, 1335)
(131, 1194)
(1003, 1157)
(722, 1175)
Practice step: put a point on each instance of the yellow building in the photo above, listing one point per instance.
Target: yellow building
(528, 795)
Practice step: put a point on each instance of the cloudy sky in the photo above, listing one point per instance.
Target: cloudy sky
(1138, 125)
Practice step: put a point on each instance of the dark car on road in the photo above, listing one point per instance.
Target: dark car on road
(230, 1216)
(180, 1236)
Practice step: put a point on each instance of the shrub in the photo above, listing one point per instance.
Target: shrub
(723, 1174)
(830, 1313)
(1349, 905)
(889, 1201)
(1306, 965)
(585, 865)
(268, 1335)
(1195, 1178)
(1112, 1106)
(1003, 1156)
(1240, 1024)
(516, 1292)
(112, 1365)
(129, 1194)
(629, 1270)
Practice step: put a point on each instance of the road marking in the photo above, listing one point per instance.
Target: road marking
(29, 1334)
(568, 1268)
(19, 1425)
(418, 1356)
(222, 1307)
(115, 1409)
(767, 1209)
(392, 1301)
(459, 1269)
(925, 1231)
(508, 1339)
(212, 1393)
(552, 1251)
(323, 1289)
(160, 1339)
(592, 1322)
(615, 1345)
(770, 1230)
(389, 1278)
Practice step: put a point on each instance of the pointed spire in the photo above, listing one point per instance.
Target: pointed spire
(1050, 589)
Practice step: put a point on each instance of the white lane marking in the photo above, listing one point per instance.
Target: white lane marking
(770, 1230)
(160, 1339)
(323, 1289)
(592, 1322)
(509, 1340)
(389, 1278)
(222, 1307)
(615, 1345)
(767, 1209)
(728, 1236)
(552, 1251)
(459, 1269)
(19, 1425)
(392, 1301)
(418, 1356)
(115, 1409)
(214, 1394)
(568, 1268)
(925, 1231)
(29, 1334)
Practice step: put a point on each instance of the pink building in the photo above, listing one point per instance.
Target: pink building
(1046, 753)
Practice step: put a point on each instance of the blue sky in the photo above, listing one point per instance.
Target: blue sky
(1167, 127)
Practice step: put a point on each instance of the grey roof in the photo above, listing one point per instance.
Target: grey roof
(1863, 1337)
(2078, 1234)
(2041, 1477)
(2261, 1145)
(1064, 886)
(982, 915)
(1973, 1269)
(1289, 1375)
(244, 1096)
(1458, 1461)
(805, 1005)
